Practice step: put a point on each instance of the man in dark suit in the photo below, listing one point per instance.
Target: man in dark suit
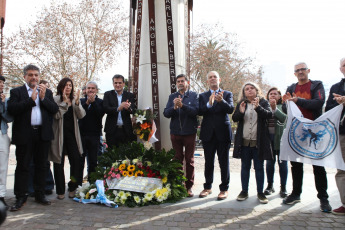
(214, 106)
(118, 105)
(33, 108)
(91, 125)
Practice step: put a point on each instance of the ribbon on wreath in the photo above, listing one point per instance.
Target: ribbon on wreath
(100, 198)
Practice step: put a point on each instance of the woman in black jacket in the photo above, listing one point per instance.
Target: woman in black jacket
(252, 141)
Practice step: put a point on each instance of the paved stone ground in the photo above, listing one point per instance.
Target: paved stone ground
(190, 213)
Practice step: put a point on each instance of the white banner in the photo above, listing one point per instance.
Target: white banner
(312, 142)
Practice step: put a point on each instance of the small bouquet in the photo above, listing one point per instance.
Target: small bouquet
(144, 127)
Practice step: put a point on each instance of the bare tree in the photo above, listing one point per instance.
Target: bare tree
(213, 49)
(75, 40)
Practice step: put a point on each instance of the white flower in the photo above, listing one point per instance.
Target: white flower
(93, 190)
(123, 200)
(148, 163)
(115, 192)
(125, 162)
(160, 198)
(82, 195)
(148, 196)
(137, 199)
(165, 196)
(115, 164)
(121, 194)
(135, 161)
(128, 194)
(145, 200)
(117, 199)
(140, 119)
(147, 145)
(92, 197)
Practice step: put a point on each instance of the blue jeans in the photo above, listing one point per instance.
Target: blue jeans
(283, 170)
(249, 153)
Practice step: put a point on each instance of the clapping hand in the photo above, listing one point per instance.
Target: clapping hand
(255, 102)
(273, 104)
(3, 97)
(339, 98)
(219, 96)
(178, 102)
(211, 99)
(43, 89)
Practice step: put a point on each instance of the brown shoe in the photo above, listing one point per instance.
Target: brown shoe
(61, 197)
(71, 194)
(205, 193)
(222, 195)
(190, 193)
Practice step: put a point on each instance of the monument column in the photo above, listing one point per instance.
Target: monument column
(162, 55)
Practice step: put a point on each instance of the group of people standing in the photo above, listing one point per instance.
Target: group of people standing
(260, 125)
(48, 128)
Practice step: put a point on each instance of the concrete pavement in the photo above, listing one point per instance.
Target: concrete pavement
(190, 213)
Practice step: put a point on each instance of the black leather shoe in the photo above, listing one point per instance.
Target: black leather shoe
(20, 202)
(41, 199)
(5, 204)
(48, 192)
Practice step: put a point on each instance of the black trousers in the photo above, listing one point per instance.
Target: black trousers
(91, 149)
(70, 148)
(320, 178)
(37, 150)
(222, 149)
(117, 138)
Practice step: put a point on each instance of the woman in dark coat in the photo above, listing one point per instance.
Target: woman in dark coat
(252, 141)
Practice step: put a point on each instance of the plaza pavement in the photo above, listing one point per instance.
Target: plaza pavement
(190, 213)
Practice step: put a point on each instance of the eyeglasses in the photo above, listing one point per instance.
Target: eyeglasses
(301, 69)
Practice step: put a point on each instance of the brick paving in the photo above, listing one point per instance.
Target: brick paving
(190, 213)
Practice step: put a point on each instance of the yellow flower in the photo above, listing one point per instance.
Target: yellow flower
(139, 173)
(122, 167)
(141, 136)
(165, 179)
(138, 131)
(124, 173)
(158, 193)
(131, 168)
(130, 173)
(87, 195)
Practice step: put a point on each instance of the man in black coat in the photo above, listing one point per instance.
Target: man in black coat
(336, 97)
(91, 125)
(33, 108)
(215, 106)
(118, 105)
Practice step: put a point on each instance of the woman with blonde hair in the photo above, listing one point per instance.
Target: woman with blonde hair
(67, 140)
(252, 141)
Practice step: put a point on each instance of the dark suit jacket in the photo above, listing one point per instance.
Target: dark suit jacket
(20, 106)
(110, 105)
(216, 119)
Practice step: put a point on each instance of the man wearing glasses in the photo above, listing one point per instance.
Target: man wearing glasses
(309, 96)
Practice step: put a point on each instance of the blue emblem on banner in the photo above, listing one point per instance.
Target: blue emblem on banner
(314, 140)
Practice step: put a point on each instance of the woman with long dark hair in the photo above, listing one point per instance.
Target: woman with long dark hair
(276, 128)
(252, 141)
(67, 140)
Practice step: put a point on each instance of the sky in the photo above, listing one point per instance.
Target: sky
(278, 33)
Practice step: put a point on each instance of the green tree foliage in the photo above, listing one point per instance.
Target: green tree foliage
(214, 49)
